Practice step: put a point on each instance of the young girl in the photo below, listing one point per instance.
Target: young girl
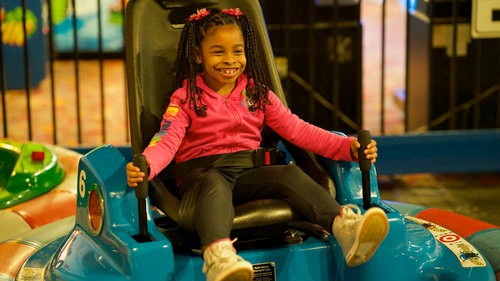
(219, 108)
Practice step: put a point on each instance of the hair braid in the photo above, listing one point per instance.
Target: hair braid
(258, 92)
(186, 68)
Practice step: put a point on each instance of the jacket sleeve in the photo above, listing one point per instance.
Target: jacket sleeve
(165, 143)
(305, 135)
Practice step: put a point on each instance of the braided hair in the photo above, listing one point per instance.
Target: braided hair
(186, 68)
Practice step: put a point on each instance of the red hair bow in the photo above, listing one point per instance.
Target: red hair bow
(201, 13)
(233, 12)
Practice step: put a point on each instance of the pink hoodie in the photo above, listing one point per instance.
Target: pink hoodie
(230, 127)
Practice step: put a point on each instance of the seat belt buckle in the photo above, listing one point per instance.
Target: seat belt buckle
(264, 156)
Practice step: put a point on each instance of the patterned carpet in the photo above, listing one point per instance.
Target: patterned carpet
(474, 195)
(88, 113)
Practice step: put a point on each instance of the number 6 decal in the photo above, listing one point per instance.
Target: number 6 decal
(81, 183)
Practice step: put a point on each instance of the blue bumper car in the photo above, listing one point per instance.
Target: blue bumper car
(106, 242)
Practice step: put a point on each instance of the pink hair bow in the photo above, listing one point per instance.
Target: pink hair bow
(201, 13)
(234, 12)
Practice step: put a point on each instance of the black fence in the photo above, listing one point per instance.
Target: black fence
(62, 73)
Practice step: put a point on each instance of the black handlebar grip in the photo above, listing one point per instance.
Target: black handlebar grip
(141, 191)
(364, 139)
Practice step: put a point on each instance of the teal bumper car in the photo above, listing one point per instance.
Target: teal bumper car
(106, 242)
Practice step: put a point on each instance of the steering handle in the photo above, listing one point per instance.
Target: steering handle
(141, 192)
(364, 139)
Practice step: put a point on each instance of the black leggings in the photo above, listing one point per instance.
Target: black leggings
(222, 187)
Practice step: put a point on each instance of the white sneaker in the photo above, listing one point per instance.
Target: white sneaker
(223, 264)
(359, 235)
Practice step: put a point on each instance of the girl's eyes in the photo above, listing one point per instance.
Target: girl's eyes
(221, 52)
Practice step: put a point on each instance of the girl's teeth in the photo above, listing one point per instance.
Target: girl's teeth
(227, 71)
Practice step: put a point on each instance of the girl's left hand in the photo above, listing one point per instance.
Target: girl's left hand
(370, 151)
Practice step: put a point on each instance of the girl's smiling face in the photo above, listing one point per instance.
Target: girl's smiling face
(222, 56)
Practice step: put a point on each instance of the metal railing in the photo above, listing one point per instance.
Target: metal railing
(79, 98)
(75, 73)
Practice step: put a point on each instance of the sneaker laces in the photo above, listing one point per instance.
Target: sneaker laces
(350, 211)
(221, 247)
(224, 256)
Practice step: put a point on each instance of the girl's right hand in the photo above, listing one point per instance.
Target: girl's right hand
(134, 175)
